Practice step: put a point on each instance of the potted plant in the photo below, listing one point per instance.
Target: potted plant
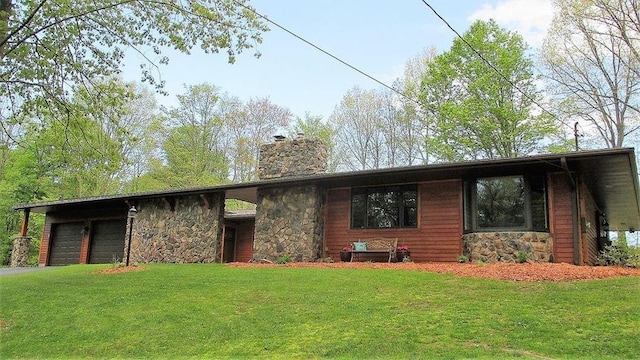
(402, 251)
(345, 253)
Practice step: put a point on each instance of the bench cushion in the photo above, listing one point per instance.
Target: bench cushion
(360, 246)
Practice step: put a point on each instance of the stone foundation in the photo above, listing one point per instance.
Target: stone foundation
(190, 233)
(504, 246)
(20, 251)
(289, 222)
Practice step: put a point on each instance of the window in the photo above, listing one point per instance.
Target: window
(384, 207)
(506, 203)
(500, 202)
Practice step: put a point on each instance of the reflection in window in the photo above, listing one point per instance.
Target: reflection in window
(500, 202)
(384, 207)
(510, 202)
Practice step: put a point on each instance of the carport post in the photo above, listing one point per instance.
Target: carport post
(131, 215)
(25, 223)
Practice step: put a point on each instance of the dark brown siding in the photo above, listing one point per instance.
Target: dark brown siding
(561, 217)
(437, 237)
(589, 235)
(244, 239)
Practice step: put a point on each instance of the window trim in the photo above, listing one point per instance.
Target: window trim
(367, 190)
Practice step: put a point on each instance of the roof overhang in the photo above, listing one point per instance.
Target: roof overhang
(610, 175)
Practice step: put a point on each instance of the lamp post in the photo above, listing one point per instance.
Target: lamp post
(131, 215)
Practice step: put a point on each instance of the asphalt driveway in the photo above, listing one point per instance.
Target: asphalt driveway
(22, 270)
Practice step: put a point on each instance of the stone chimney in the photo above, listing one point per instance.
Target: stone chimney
(297, 157)
(290, 219)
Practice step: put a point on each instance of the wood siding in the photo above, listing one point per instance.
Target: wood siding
(561, 217)
(438, 236)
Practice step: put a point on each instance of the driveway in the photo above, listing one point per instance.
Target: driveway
(21, 270)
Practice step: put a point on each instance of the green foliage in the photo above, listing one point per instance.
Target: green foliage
(618, 254)
(463, 259)
(283, 260)
(313, 127)
(281, 312)
(49, 48)
(523, 256)
(476, 113)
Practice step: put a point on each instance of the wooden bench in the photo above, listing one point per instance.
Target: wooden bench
(376, 245)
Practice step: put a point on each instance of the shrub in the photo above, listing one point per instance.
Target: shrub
(283, 260)
(523, 256)
(618, 254)
(463, 259)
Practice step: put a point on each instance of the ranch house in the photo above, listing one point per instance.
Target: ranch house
(556, 207)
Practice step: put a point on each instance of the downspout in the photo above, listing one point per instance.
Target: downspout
(574, 212)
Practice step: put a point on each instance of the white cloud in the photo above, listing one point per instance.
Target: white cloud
(530, 18)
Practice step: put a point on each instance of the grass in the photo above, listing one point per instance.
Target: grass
(214, 311)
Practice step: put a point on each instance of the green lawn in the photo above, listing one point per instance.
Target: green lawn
(214, 311)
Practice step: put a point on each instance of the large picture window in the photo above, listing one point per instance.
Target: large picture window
(506, 203)
(384, 207)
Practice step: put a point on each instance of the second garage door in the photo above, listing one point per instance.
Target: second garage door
(107, 241)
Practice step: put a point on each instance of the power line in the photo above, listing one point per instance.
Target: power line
(534, 101)
(328, 53)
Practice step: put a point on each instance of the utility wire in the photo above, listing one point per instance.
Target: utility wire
(534, 101)
(328, 53)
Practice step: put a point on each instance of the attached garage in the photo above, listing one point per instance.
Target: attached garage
(66, 243)
(107, 241)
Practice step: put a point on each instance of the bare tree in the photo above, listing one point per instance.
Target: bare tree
(591, 57)
(414, 121)
(358, 135)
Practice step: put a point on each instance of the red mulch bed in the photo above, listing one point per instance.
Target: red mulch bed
(121, 269)
(501, 271)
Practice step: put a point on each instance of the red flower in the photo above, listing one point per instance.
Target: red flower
(348, 248)
(403, 247)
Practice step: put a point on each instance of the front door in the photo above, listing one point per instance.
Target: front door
(229, 252)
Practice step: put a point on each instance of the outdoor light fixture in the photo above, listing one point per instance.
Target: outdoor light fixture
(131, 215)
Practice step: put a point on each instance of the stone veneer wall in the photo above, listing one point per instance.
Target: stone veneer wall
(20, 251)
(289, 222)
(504, 246)
(300, 156)
(191, 233)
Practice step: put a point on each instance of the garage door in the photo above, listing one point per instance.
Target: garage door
(66, 241)
(107, 241)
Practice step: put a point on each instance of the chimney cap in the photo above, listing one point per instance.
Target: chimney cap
(279, 137)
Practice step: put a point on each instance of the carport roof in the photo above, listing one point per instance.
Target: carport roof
(610, 174)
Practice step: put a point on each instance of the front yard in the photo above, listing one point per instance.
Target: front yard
(213, 311)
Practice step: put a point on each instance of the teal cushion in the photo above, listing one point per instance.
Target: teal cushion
(360, 246)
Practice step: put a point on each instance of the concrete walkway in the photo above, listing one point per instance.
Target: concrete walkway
(22, 270)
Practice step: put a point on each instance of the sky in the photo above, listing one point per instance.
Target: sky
(375, 36)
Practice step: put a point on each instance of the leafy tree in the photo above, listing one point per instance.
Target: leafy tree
(49, 49)
(476, 112)
(312, 126)
(192, 148)
(591, 57)
(56, 160)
